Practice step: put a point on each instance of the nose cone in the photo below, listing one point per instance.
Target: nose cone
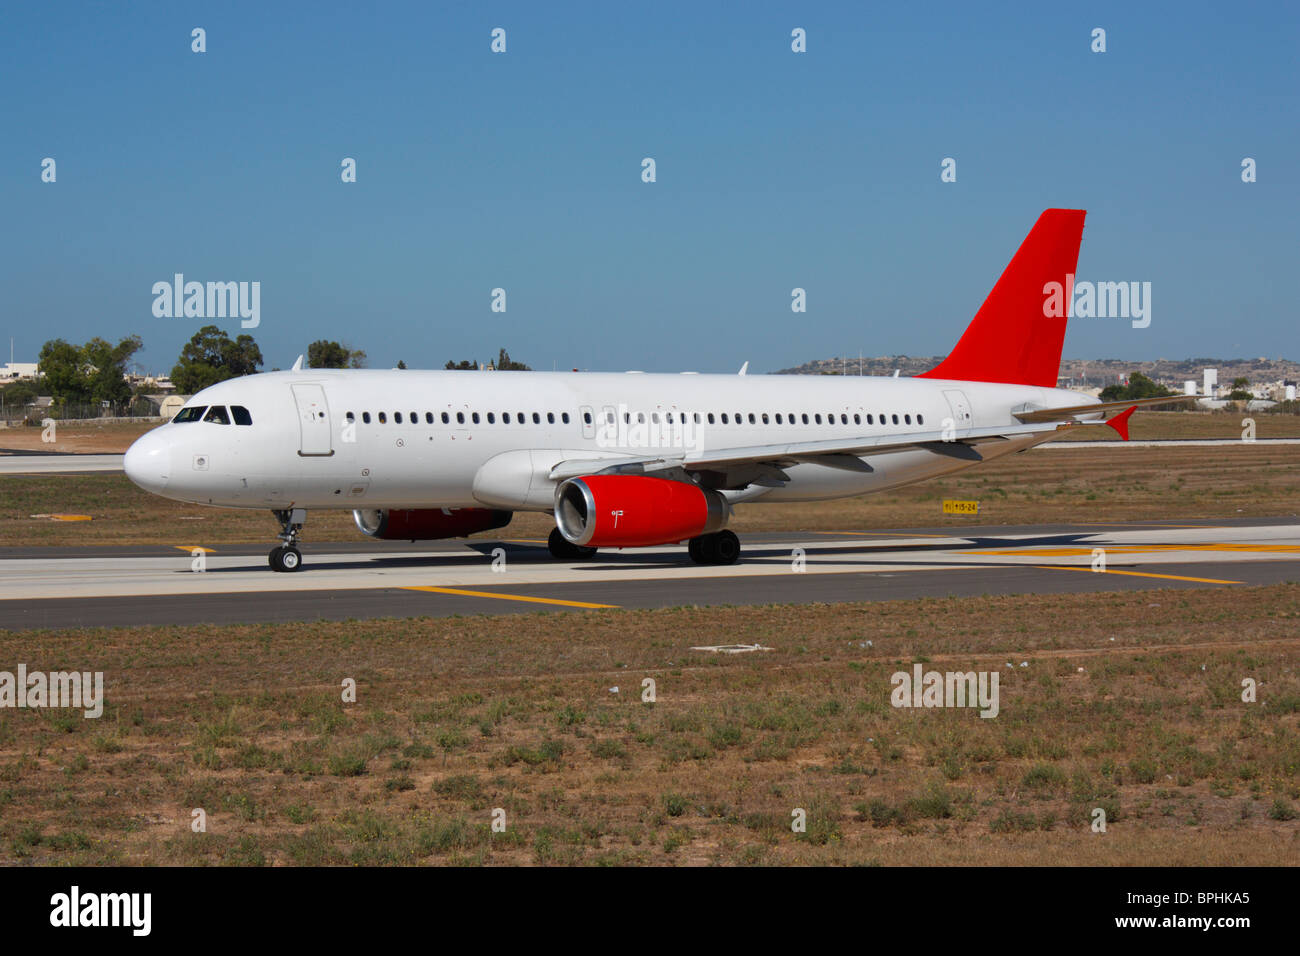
(148, 461)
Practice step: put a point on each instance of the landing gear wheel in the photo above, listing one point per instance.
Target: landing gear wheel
(720, 548)
(285, 559)
(702, 549)
(726, 548)
(565, 550)
(286, 556)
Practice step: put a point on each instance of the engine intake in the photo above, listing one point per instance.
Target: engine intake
(424, 524)
(629, 511)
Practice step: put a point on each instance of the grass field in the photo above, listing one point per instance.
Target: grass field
(1043, 485)
(1129, 703)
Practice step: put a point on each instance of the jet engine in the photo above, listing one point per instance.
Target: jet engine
(629, 511)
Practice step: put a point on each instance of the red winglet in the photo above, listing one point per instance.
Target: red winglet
(1120, 422)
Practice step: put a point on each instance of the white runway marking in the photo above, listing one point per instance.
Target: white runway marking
(1128, 549)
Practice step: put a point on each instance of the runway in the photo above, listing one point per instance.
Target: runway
(159, 585)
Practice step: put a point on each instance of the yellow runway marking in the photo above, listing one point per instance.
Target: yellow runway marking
(1141, 549)
(889, 534)
(509, 597)
(191, 548)
(1137, 574)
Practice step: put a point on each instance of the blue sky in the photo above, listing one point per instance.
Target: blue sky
(522, 171)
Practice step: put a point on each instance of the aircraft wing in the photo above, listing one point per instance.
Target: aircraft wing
(833, 453)
(762, 464)
(1068, 413)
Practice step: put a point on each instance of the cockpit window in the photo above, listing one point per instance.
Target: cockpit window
(241, 416)
(217, 415)
(191, 414)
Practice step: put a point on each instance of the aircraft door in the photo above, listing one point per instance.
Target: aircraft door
(960, 407)
(313, 420)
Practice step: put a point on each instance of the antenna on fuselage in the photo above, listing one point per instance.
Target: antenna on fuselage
(743, 369)
(297, 366)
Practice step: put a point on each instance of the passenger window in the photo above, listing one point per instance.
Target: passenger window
(697, 418)
(428, 418)
(537, 419)
(907, 419)
(654, 418)
(765, 418)
(217, 415)
(365, 417)
(857, 419)
(241, 416)
(586, 418)
(446, 419)
(460, 418)
(474, 417)
(564, 417)
(895, 419)
(920, 419)
(415, 418)
(550, 418)
(724, 418)
(383, 418)
(710, 419)
(778, 418)
(519, 416)
(844, 419)
(818, 418)
(397, 418)
(751, 418)
(871, 419)
(492, 418)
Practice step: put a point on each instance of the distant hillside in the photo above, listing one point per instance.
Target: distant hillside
(1078, 372)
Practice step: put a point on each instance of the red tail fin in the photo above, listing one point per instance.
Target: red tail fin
(1015, 337)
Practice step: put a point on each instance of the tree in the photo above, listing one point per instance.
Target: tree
(504, 363)
(211, 356)
(94, 372)
(1240, 390)
(1139, 386)
(328, 354)
(401, 364)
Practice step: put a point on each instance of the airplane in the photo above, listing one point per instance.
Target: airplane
(624, 460)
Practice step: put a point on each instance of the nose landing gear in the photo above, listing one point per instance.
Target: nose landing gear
(286, 556)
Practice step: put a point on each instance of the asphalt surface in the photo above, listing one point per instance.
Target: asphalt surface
(55, 588)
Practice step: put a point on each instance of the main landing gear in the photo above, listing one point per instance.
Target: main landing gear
(562, 548)
(722, 547)
(286, 556)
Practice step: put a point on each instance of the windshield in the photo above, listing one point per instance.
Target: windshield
(217, 413)
(192, 414)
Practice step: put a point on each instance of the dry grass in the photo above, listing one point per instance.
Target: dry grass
(456, 717)
(80, 438)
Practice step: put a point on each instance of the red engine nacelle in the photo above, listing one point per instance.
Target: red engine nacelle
(423, 524)
(629, 511)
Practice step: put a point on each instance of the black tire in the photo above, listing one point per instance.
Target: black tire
(706, 549)
(285, 559)
(693, 549)
(726, 548)
(562, 549)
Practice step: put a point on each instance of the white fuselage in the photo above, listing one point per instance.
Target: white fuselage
(333, 438)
